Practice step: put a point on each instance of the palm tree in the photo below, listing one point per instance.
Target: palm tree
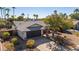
(76, 11)
(22, 14)
(4, 12)
(65, 16)
(1, 8)
(7, 9)
(27, 16)
(55, 12)
(13, 11)
(7, 15)
(36, 16)
(7, 12)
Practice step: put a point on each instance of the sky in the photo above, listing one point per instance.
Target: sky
(41, 11)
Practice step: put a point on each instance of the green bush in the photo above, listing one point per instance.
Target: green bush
(30, 43)
(14, 40)
(5, 35)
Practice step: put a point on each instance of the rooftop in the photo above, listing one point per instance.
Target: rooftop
(23, 25)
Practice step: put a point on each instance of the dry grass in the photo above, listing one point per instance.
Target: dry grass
(73, 38)
(77, 34)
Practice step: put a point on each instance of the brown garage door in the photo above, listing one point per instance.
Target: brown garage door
(31, 34)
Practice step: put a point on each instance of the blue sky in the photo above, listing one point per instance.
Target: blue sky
(41, 11)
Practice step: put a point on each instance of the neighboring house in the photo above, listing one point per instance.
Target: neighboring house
(76, 24)
(28, 29)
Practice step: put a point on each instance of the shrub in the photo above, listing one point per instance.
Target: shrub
(9, 46)
(14, 40)
(5, 35)
(2, 24)
(30, 43)
(59, 39)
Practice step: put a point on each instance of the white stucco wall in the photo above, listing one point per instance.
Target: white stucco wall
(22, 34)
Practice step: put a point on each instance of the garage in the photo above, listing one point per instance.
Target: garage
(31, 34)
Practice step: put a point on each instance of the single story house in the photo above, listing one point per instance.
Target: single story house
(28, 29)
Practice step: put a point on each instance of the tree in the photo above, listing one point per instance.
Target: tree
(75, 14)
(7, 15)
(7, 12)
(65, 16)
(1, 8)
(4, 12)
(14, 40)
(22, 14)
(36, 16)
(13, 11)
(55, 12)
(76, 11)
(58, 23)
(27, 16)
(20, 18)
(10, 19)
(2, 24)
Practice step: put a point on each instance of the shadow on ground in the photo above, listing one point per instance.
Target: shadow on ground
(39, 40)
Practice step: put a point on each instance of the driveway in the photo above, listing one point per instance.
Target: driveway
(41, 40)
(45, 44)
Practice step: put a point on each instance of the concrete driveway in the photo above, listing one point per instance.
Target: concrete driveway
(41, 40)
